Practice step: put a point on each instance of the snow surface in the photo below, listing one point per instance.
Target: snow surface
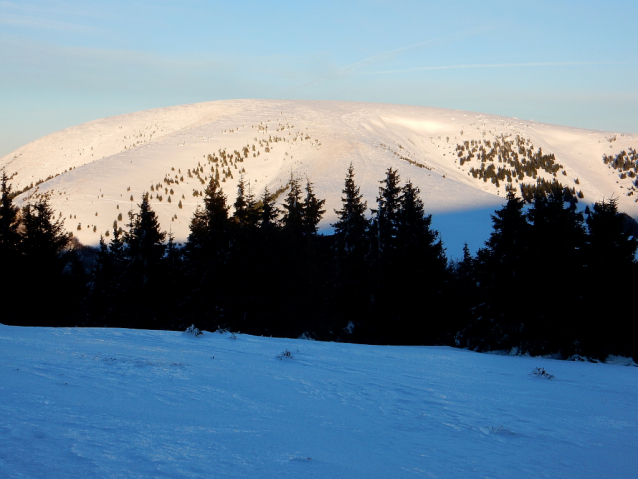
(116, 403)
(114, 158)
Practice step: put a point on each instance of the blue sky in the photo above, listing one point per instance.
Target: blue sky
(567, 62)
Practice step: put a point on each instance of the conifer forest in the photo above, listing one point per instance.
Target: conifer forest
(550, 279)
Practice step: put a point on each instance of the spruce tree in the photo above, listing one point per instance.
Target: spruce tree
(506, 250)
(293, 217)
(498, 321)
(12, 264)
(385, 222)
(208, 256)
(9, 236)
(210, 225)
(116, 248)
(145, 242)
(241, 205)
(43, 251)
(43, 237)
(253, 208)
(610, 261)
(555, 247)
(608, 243)
(420, 271)
(268, 213)
(352, 226)
(102, 260)
(312, 211)
(413, 224)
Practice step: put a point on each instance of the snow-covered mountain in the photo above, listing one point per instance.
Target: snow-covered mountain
(95, 403)
(97, 171)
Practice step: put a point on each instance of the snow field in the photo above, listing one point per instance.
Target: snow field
(133, 403)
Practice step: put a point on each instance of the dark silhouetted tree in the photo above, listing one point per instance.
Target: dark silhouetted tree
(292, 221)
(312, 211)
(145, 242)
(352, 225)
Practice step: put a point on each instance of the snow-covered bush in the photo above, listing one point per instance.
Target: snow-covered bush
(285, 355)
(543, 373)
(193, 331)
(224, 331)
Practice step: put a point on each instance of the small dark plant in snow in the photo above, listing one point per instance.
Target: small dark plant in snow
(193, 330)
(226, 331)
(541, 372)
(285, 355)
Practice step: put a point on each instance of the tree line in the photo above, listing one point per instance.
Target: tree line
(549, 279)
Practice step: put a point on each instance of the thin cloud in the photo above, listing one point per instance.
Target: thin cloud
(331, 73)
(490, 65)
(397, 52)
(47, 23)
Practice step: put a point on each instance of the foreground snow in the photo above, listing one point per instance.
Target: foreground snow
(129, 403)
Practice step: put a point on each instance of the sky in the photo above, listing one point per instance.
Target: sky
(63, 63)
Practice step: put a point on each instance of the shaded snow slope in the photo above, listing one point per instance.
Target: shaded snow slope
(96, 403)
(101, 164)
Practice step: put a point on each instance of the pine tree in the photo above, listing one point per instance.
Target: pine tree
(610, 261)
(466, 265)
(269, 213)
(103, 259)
(498, 321)
(420, 271)
(292, 221)
(608, 243)
(253, 208)
(9, 222)
(554, 246)
(43, 255)
(312, 210)
(508, 244)
(385, 222)
(208, 249)
(413, 223)
(210, 225)
(116, 247)
(12, 268)
(145, 242)
(421, 247)
(241, 206)
(352, 226)
(44, 237)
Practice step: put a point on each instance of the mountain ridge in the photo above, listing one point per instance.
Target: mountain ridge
(93, 170)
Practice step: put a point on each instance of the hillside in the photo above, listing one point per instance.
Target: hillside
(96, 172)
(124, 403)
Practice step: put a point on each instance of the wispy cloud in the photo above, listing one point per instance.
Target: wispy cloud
(398, 52)
(43, 22)
(331, 72)
(490, 65)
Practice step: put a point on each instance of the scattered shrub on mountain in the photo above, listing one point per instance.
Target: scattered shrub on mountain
(623, 161)
(506, 160)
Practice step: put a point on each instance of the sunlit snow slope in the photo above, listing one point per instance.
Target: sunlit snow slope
(95, 168)
(96, 403)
